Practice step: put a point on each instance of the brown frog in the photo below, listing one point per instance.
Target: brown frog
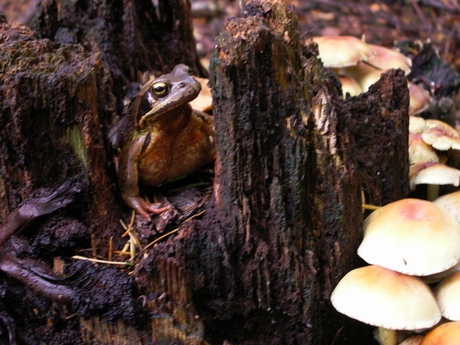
(164, 138)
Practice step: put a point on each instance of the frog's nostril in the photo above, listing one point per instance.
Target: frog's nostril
(181, 84)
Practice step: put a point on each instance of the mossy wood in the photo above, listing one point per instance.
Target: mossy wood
(284, 220)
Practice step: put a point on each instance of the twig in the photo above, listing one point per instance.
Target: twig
(84, 258)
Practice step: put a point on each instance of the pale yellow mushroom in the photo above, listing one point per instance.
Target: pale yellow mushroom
(387, 299)
(350, 86)
(369, 72)
(416, 124)
(411, 236)
(451, 203)
(419, 151)
(341, 51)
(447, 293)
(433, 175)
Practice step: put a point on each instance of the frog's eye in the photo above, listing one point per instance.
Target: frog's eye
(160, 89)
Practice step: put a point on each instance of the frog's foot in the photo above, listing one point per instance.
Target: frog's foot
(143, 208)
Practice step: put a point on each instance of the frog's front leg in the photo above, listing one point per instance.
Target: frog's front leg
(128, 179)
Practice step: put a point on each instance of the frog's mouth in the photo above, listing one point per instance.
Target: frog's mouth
(169, 110)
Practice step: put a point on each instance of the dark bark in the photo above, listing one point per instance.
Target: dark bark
(292, 159)
(132, 36)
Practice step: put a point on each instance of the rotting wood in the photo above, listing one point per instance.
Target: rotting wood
(132, 36)
(286, 217)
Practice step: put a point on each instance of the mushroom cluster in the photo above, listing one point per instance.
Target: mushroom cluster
(429, 140)
(359, 65)
(407, 243)
(412, 246)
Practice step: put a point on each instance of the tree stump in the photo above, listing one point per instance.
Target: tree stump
(292, 160)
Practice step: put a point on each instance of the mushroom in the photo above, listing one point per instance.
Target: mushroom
(419, 99)
(411, 236)
(416, 124)
(350, 86)
(387, 299)
(446, 334)
(447, 294)
(365, 78)
(451, 203)
(433, 175)
(351, 50)
(387, 58)
(419, 151)
(368, 72)
(437, 277)
(440, 135)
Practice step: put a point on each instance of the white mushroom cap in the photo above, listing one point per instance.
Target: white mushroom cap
(433, 173)
(340, 51)
(448, 296)
(385, 298)
(437, 277)
(411, 236)
(451, 203)
(387, 58)
(369, 72)
(416, 124)
(446, 334)
(368, 78)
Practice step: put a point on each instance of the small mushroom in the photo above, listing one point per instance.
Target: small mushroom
(451, 203)
(419, 99)
(440, 135)
(350, 86)
(419, 151)
(416, 124)
(341, 51)
(368, 72)
(446, 334)
(447, 294)
(411, 236)
(387, 58)
(387, 299)
(433, 175)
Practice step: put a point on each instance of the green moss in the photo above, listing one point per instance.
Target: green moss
(75, 138)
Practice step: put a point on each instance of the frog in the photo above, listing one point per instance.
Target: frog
(163, 138)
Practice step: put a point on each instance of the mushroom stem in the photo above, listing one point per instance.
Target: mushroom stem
(432, 191)
(387, 336)
(370, 207)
